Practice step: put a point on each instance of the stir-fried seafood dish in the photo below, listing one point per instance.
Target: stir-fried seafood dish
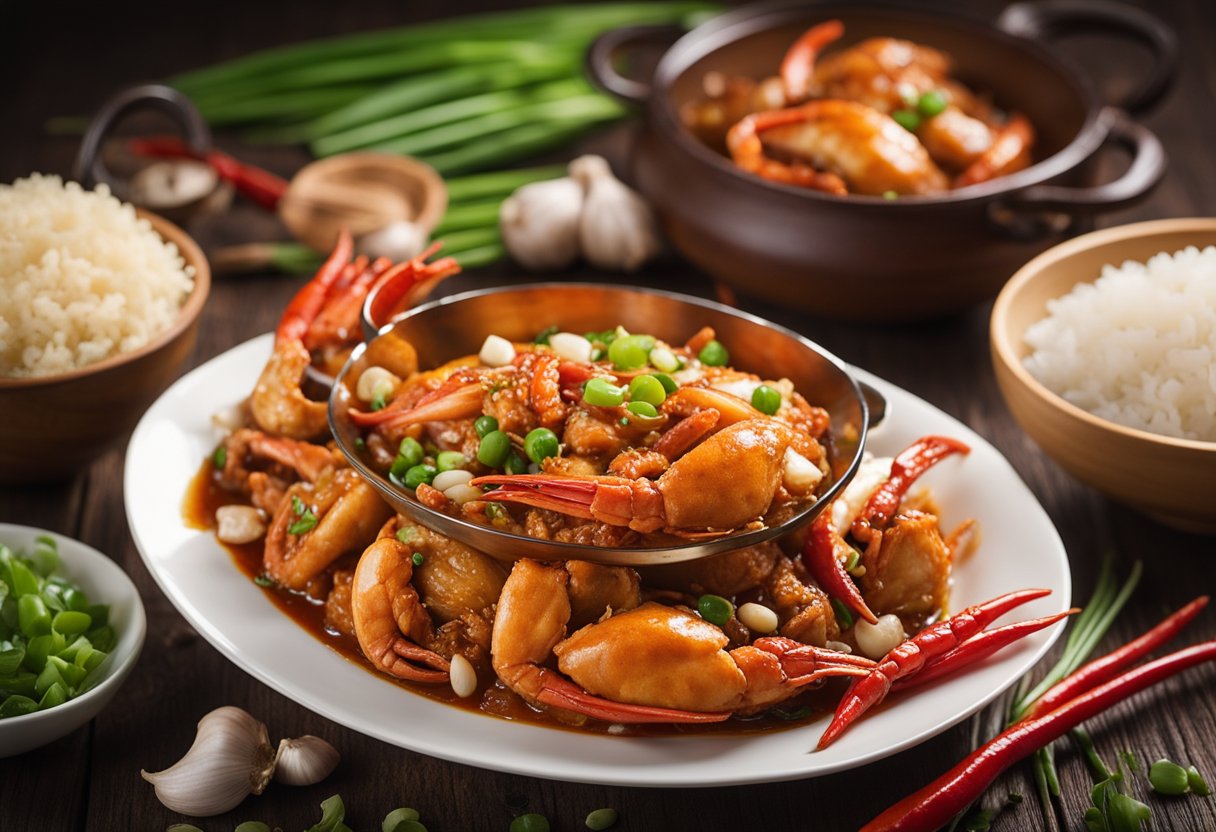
(601, 439)
(607, 439)
(882, 117)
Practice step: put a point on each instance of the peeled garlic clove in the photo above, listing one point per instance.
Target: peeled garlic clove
(231, 758)
(540, 223)
(617, 229)
(304, 761)
(239, 524)
(400, 240)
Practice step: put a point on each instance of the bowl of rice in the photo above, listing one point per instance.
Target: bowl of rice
(99, 308)
(1105, 351)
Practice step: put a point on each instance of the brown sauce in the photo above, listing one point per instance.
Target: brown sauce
(492, 698)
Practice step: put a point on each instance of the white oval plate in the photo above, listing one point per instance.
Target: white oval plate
(1020, 548)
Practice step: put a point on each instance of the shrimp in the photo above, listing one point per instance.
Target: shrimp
(339, 514)
(649, 663)
(389, 619)
(837, 146)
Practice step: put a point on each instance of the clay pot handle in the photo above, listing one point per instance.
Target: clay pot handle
(90, 169)
(601, 66)
(1052, 18)
(1146, 170)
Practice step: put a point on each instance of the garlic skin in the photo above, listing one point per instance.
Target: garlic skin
(304, 761)
(540, 224)
(617, 230)
(231, 758)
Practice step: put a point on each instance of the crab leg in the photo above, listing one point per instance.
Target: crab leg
(915, 653)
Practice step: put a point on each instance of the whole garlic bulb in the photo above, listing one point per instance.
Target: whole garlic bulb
(540, 223)
(231, 758)
(617, 229)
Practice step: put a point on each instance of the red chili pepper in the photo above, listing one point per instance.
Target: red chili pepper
(304, 307)
(823, 557)
(913, 461)
(913, 654)
(1099, 670)
(260, 186)
(980, 647)
(934, 805)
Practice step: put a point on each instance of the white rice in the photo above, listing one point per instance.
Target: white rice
(1138, 345)
(81, 277)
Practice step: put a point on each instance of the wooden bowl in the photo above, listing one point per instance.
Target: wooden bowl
(1172, 480)
(53, 426)
(362, 192)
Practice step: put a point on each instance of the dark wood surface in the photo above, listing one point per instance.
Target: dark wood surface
(55, 61)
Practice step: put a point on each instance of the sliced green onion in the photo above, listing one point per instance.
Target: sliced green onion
(601, 819)
(603, 393)
(715, 609)
(396, 817)
(494, 449)
(647, 389)
(643, 409)
(33, 617)
(485, 424)
(1167, 777)
(1198, 785)
(71, 622)
(515, 464)
(907, 119)
(530, 822)
(932, 103)
(714, 354)
(843, 617)
(664, 359)
(450, 461)
(545, 334)
(766, 399)
(630, 352)
(410, 450)
(540, 444)
(420, 474)
(220, 458)
(669, 383)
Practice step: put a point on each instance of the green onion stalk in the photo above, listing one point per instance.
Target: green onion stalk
(466, 95)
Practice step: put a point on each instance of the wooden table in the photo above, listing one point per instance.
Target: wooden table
(63, 64)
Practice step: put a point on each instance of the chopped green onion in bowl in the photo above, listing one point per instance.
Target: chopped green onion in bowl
(75, 662)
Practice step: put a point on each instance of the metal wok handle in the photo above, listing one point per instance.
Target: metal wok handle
(601, 66)
(90, 169)
(1052, 18)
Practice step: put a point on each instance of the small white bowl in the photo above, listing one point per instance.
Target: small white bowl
(105, 583)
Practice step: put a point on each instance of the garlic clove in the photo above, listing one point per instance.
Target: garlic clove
(304, 761)
(239, 524)
(540, 223)
(617, 229)
(231, 758)
(398, 241)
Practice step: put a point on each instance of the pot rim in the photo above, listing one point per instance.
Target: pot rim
(720, 31)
